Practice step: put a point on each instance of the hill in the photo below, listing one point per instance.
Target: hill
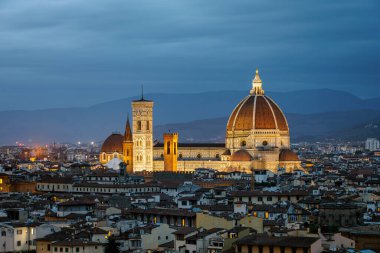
(305, 110)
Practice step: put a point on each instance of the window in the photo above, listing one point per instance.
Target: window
(184, 202)
(60, 249)
(265, 143)
(159, 237)
(199, 156)
(168, 148)
(77, 249)
(269, 198)
(66, 249)
(3, 233)
(19, 231)
(48, 247)
(180, 155)
(19, 243)
(243, 143)
(175, 148)
(147, 125)
(138, 128)
(259, 198)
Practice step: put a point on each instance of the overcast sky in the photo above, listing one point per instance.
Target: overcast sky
(77, 53)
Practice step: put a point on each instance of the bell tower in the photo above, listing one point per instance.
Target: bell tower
(128, 148)
(142, 124)
(170, 151)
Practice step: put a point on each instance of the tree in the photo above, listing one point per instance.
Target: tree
(112, 246)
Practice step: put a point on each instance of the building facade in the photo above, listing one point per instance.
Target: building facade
(257, 137)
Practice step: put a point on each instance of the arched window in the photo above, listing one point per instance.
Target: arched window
(217, 156)
(180, 155)
(199, 156)
(265, 143)
(243, 143)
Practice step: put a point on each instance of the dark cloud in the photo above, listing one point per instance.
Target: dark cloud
(75, 53)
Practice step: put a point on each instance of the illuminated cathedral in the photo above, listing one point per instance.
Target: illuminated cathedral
(257, 137)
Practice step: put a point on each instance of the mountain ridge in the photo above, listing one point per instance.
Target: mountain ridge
(97, 121)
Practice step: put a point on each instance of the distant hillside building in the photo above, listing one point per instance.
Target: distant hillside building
(257, 137)
(372, 144)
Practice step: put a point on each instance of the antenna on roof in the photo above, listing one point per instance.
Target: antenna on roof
(142, 91)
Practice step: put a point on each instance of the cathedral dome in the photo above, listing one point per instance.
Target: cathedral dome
(287, 155)
(114, 143)
(257, 111)
(241, 156)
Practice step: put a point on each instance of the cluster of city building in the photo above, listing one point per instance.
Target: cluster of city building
(254, 193)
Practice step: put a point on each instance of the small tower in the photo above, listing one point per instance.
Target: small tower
(128, 148)
(170, 151)
(142, 118)
(253, 179)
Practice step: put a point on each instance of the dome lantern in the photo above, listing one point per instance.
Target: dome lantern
(257, 85)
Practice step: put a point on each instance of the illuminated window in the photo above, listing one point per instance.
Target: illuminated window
(266, 215)
(1, 180)
(183, 222)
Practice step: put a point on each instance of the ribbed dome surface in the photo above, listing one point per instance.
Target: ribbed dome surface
(257, 112)
(114, 143)
(287, 155)
(241, 156)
